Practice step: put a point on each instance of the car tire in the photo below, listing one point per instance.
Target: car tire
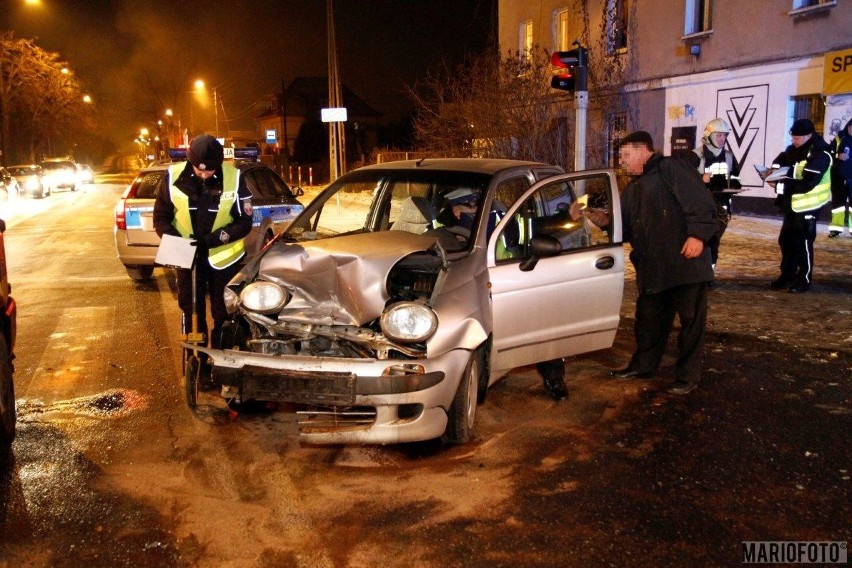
(462, 413)
(7, 397)
(139, 273)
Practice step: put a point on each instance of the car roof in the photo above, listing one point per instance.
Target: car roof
(490, 166)
(240, 165)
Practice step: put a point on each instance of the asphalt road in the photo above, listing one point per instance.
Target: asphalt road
(111, 469)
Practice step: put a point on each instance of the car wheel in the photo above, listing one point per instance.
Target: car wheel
(139, 273)
(7, 397)
(462, 412)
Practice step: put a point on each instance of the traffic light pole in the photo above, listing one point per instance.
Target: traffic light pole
(581, 105)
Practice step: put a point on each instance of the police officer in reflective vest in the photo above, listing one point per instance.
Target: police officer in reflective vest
(805, 191)
(206, 200)
(720, 172)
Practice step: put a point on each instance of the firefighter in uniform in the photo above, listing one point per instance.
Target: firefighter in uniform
(206, 200)
(805, 191)
(720, 172)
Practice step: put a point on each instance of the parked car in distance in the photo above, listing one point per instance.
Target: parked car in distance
(8, 314)
(30, 180)
(61, 173)
(379, 320)
(8, 185)
(274, 205)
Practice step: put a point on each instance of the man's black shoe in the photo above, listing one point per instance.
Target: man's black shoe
(780, 284)
(833, 234)
(627, 373)
(556, 388)
(799, 288)
(682, 387)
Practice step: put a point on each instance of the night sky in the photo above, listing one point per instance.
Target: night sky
(139, 57)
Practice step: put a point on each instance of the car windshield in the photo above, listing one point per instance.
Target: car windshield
(373, 200)
(56, 165)
(23, 171)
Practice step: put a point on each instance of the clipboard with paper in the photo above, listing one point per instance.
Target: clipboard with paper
(773, 174)
(175, 252)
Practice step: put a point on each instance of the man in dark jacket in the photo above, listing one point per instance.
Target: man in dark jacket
(207, 201)
(668, 216)
(800, 196)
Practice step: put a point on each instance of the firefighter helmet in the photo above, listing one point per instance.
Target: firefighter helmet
(715, 125)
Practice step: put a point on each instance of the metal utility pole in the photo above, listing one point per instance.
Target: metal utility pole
(336, 133)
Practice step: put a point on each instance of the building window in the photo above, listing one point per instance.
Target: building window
(697, 17)
(812, 107)
(526, 39)
(799, 4)
(616, 24)
(616, 130)
(563, 39)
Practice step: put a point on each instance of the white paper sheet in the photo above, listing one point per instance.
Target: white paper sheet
(175, 252)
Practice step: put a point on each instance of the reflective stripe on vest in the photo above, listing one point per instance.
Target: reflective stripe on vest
(816, 197)
(224, 255)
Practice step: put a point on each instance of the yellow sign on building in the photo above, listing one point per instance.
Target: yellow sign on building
(837, 71)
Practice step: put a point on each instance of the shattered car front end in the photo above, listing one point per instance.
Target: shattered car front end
(368, 332)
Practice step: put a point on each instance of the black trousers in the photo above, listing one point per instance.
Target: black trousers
(209, 282)
(796, 239)
(654, 320)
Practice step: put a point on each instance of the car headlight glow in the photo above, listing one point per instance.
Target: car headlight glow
(409, 322)
(263, 297)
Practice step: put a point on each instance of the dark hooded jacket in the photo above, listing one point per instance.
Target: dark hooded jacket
(203, 207)
(816, 154)
(660, 209)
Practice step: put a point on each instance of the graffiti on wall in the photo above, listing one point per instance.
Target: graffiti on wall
(745, 109)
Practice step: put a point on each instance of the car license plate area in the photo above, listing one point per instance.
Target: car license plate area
(304, 387)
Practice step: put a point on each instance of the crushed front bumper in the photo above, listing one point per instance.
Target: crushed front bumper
(405, 400)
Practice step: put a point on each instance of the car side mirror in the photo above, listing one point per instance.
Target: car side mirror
(541, 246)
(297, 191)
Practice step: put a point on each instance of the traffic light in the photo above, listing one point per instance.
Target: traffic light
(573, 69)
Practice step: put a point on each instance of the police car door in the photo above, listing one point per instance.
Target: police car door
(556, 281)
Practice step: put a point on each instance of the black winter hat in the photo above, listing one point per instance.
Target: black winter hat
(205, 153)
(802, 127)
(639, 137)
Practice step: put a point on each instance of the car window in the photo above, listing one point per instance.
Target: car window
(259, 184)
(399, 191)
(548, 212)
(345, 211)
(281, 188)
(147, 185)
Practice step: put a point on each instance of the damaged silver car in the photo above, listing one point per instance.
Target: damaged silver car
(404, 290)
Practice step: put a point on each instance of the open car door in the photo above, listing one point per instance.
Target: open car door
(556, 280)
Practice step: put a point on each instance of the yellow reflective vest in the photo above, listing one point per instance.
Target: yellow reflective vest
(224, 255)
(816, 197)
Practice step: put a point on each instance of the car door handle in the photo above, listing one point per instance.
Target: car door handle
(605, 263)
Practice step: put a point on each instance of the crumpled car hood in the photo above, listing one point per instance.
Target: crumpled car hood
(340, 280)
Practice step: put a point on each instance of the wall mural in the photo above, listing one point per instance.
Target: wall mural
(745, 109)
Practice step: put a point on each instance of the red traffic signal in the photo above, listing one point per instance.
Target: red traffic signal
(573, 72)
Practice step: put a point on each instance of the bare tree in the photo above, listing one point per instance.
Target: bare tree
(41, 102)
(492, 106)
(503, 106)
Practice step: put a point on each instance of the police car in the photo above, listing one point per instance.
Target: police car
(274, 207)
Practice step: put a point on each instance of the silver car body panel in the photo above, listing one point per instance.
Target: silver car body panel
(567, 304)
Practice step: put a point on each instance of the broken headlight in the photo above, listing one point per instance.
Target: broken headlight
(263, 297)
(409, 322)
